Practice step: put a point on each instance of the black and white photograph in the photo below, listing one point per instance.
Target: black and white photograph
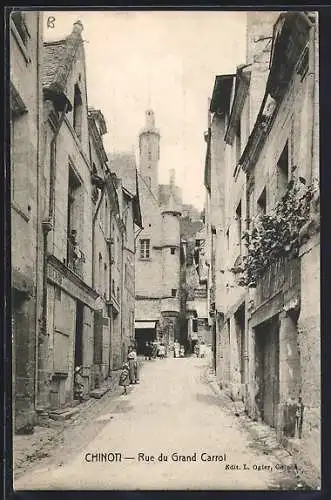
(165, 249)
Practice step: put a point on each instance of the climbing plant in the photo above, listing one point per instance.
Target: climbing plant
(276, 234)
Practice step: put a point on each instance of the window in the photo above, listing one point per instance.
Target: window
(238, 142)
(262, 202)
(239, 225)
(173, 250)
(228, 239)
(229, 331)
(106, 219)
(100, 273)
(57, 291)
(74, 255)
(78, 112)
(149, 155)
(282, 172)
(113, 287)
(19, 21)
(106, 280)
(144, 249)
(195, 325)
(173, 292)
(250, 205)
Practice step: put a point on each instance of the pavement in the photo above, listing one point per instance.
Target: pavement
(171, 432)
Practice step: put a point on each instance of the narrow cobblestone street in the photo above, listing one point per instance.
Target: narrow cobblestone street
(173, 411)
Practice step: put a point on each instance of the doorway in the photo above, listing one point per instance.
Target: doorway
(239, 318)
(142, 336)
(79, 333)
(267, 370)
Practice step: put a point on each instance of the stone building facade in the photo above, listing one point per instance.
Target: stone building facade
(159, 309)
(267, 330)
(125, 228)
(73, 228)
(26, 201)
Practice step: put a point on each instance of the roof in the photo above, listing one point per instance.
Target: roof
(171, 204)
(220, 99)
(57, 60)
(286, 49)
(240, 93)
(124, 166)
(165, 191)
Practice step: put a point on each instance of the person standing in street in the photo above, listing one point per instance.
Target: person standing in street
(133, 365)
(124, 380)
(78, 384)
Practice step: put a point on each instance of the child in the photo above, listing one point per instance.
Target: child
(125, 377)
(78, 384)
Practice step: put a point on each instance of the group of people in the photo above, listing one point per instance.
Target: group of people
(179, 350)
(200, 350)
(155, 350)
(130, 373)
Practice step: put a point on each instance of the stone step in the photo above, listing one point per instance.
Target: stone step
(64, 414)
(98, 393)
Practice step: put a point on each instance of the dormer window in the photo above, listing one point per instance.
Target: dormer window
(78, 112)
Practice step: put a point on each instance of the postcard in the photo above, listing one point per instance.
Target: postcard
(165, 240)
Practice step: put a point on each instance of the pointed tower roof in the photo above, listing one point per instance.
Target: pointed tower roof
(169, 202)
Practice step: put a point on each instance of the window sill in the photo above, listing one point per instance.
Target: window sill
(145, 259)
(19, 42)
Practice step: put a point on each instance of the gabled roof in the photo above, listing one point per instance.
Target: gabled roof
(57, 62)
(124, 166)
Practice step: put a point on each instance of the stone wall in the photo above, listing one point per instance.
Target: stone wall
(26, 94)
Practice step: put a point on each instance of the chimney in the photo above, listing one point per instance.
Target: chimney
(78, 27)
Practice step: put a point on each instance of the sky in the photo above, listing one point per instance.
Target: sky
(166, 61)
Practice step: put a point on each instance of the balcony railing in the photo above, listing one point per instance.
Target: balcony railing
(281, 275)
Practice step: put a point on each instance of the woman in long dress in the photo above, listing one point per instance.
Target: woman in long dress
(133, 365)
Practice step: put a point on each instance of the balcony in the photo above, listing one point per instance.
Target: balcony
(282, 275)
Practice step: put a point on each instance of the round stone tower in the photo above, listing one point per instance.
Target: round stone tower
(149, 150)
(170, 303)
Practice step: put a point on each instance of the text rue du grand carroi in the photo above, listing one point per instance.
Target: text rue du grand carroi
(161, 457)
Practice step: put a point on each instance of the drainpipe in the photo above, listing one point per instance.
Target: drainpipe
(110, 313)
(48, 225)
(122, 289)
